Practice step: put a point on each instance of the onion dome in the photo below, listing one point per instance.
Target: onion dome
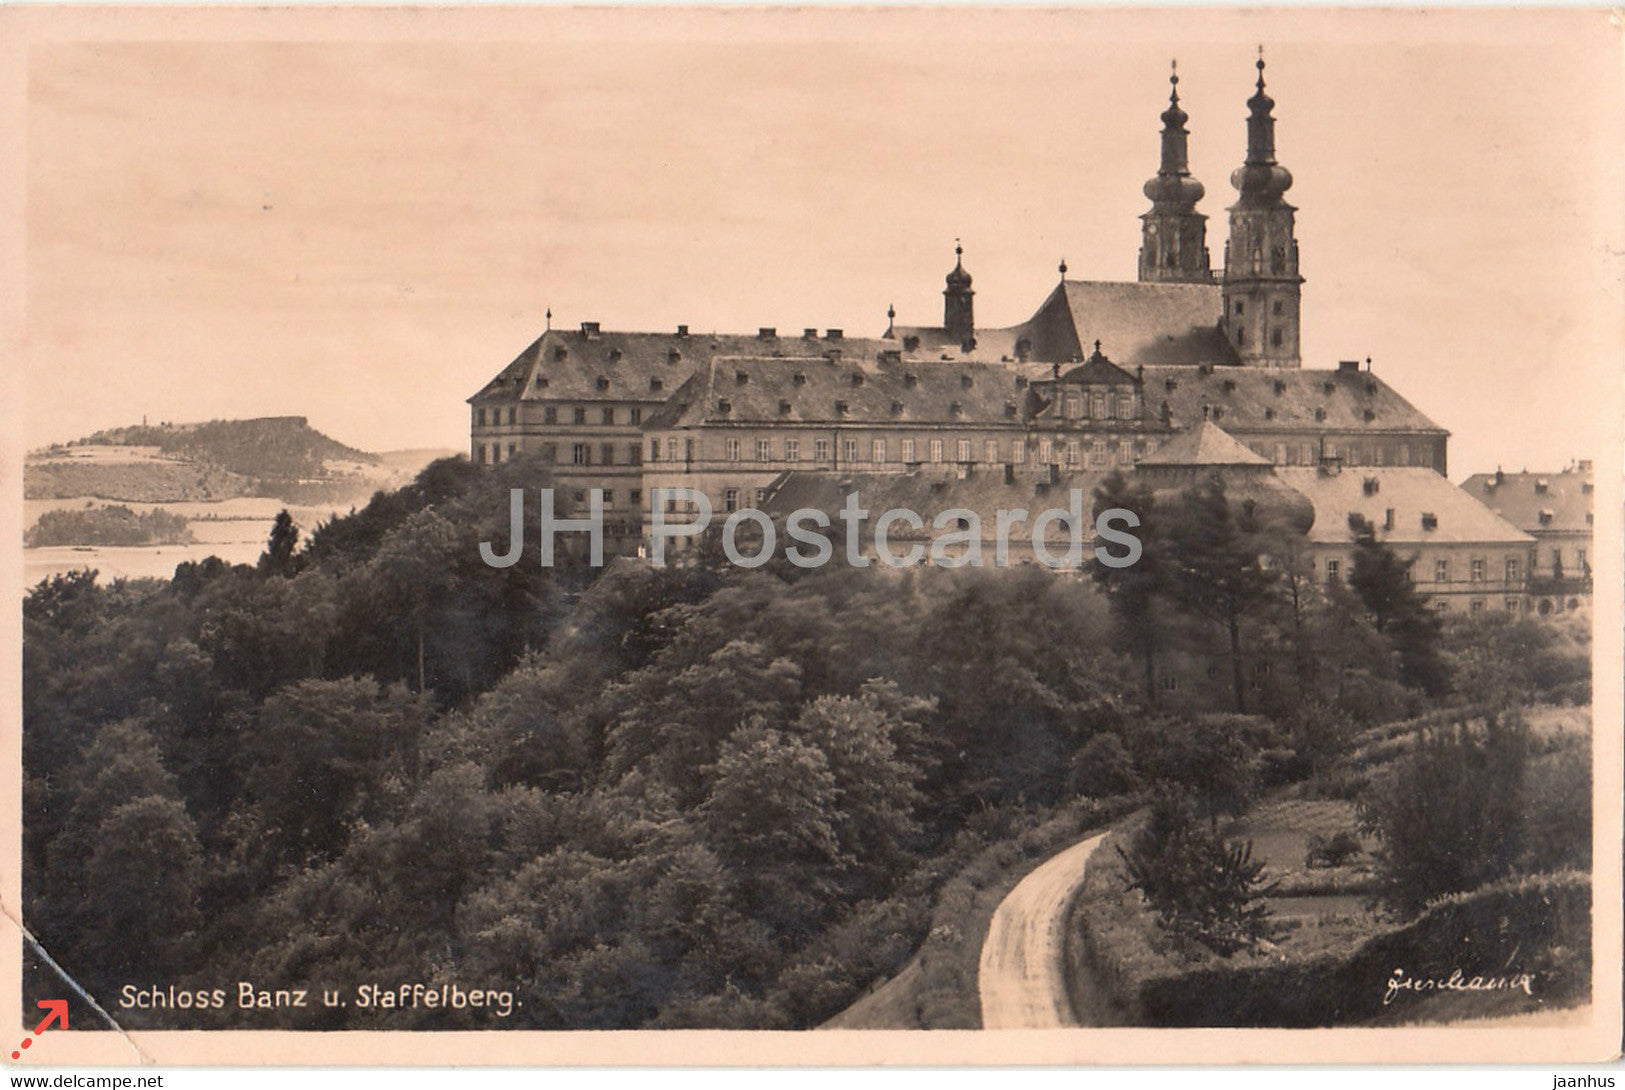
(1261, 180)
(1173, 189)
(959, 278)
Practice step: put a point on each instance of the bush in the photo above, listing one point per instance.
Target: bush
(1450, 815)
(1332, 851)
(1203, 889)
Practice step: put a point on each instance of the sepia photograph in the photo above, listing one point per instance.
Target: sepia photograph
(818, 526)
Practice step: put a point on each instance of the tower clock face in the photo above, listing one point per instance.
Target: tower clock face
(1151, 228)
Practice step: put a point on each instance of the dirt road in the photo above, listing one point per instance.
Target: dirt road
(1021, 976)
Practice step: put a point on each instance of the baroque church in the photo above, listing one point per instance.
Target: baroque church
(1102, 376)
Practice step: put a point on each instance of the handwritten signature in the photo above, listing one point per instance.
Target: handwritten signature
(1457, 981)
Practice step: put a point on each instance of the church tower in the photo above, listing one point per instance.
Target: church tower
(958, 315)
(1173, 235)
(1261, 282)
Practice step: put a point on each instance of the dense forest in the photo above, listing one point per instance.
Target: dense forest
(692, 797)
(114, 524)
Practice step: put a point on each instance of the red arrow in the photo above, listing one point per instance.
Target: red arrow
(56, 1010)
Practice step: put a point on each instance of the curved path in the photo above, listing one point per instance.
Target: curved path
(1022, 976)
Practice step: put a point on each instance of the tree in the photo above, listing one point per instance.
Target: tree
(278, 557)
(1450, 814)
(1216, 570)
(1134, 591)
(1382, 582)
(1202, 889)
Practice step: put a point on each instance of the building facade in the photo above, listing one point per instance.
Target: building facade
(1555, 510)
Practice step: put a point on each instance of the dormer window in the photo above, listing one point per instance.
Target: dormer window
(541, 382)
(1280, 387)
(603, 383)
(965, 381)
(1269, 414)
(1370, 416)
(911, 380)
(897, 408)
(673, 356)
(798, 379)
(1170, 385)
(741, 377)
(1229, 385)
(656, 385)
(1430, 521)
(784, 408)
(1329, 387)
(724, 406)
(1320, 414)
(840, 408)
(955, 408)
(911, 343)
(857, 378)
(560, 352)
(614, 355)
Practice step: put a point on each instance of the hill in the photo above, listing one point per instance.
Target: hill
(279, 456)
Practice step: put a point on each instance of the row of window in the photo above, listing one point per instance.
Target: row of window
(581, 454)
(1101, 403)
(607, 414)
(1476, 569)
(1043, 451)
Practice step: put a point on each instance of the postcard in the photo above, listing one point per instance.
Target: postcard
(812, 536)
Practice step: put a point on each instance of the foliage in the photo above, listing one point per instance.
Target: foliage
(1202, 889)
(1383, 584)
(1333, 851)
(113, 525)
(1450, 814)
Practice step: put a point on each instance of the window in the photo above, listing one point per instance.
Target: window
(936, 450)
(964, 450)
(1306, 454)
(1275, 308)
(730, 499)
(1441, 571)
(671, 448)
(1098, 457)
(513, 448)
(764, 450)
(990, 450)
(1168, 682)
(877, 450)
(634, 454)
(1018, 451)
(792, 450)
(479, 418)
(1074, 405)
(1476, 574)
(579, 415)
(550, 415)
(634, 416)
(1512, 605)
(908, 450)
(1476, 606)
(1241, 308)
(1275, 337)
(550, 453)
(635, 497)
(821, 450)
(733, 451)
(849, 450)
(1332, 570)
(1513, 569)
(1097, 404)
(1125, 403)
(579, 495)
(609, 497)
(1071, 452)
(1280, 454)
(1404, 454)
(607, 452)
(1580, 558)
(761, 495)
(513, 416)
(1046, 451)
(580, 454)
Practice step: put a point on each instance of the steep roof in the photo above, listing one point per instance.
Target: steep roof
(1242, 399)
(1204, 445)
(935, 343)
(1536, 501)
(1138, 324)
(847, 389)
(578, 365)
(929, 492)
(1411, 493)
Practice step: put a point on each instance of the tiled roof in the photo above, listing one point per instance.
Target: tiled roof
(1411, 493)
(933, 342)
(1204, 445)
(928, 492)
(612, 366)
(1564, 499)
(852, 389)
(1243, 399)
(1137, 324)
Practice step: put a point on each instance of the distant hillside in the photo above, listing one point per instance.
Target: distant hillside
(276, 456)
(267, 447)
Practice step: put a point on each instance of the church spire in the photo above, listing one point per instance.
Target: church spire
(1261, 283)
(1173, 236)
(958, 314)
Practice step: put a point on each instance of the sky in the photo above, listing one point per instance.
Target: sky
(360, 219)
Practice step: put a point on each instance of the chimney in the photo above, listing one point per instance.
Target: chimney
(682, 331)
(832, 334)
(1345, 367)
(767, 333)
(590, 328)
